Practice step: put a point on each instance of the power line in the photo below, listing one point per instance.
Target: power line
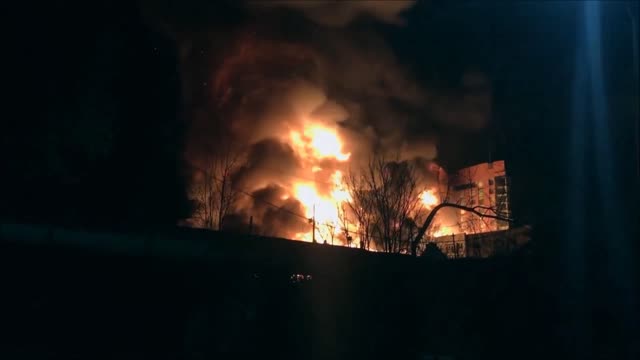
(281, 208)
(265, 201)
(361, 234)
(292, 213)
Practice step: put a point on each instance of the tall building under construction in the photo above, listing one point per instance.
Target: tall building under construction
(485, 187)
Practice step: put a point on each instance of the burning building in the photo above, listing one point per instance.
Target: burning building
(281, 123)
(483, 186)
(485, 189)
(479, 196)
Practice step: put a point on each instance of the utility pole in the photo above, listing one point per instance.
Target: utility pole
(455, 249)
(313, 235)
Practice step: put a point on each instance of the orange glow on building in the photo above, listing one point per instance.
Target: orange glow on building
(484, 187)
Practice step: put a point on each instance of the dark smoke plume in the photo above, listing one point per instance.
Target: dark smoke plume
(289, 62)
(340, 13)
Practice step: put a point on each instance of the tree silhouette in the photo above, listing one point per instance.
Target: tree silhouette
(212, 189)
(385, 199)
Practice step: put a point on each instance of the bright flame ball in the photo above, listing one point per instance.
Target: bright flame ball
(325, 143)
(429, 199)
(319, 142)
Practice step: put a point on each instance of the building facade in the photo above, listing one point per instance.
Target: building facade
(484, 187)
(483, 245)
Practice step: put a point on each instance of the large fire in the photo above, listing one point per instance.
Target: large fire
(319, 142)
(316, 143)
(443, 231)
(429, 201)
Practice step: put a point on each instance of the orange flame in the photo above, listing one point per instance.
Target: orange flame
(319, 142)
(429, 199)
(325, 208)
(443, 231)
(313, 144)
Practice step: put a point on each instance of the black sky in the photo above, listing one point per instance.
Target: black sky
(97, 123)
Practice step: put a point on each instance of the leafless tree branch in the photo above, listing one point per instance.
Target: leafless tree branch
(385, 200)
(432, 214)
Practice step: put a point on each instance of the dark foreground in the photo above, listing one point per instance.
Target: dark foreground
(61, 301)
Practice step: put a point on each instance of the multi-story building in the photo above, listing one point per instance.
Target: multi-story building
(484, 187)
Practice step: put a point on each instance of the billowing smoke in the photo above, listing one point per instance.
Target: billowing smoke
(268, 93)
(340, 13)
(468, 109)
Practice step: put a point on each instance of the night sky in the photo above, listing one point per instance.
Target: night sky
(108, 103)
(98, 128)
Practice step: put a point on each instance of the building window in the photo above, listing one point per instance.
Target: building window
(490, 191)
(463, 187)
(490, 182)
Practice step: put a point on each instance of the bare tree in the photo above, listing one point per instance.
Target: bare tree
(360, 204)
(483, 207)
(344, 223)
(480, 211)
(327, 231)
(385, 199)
(212, 189)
